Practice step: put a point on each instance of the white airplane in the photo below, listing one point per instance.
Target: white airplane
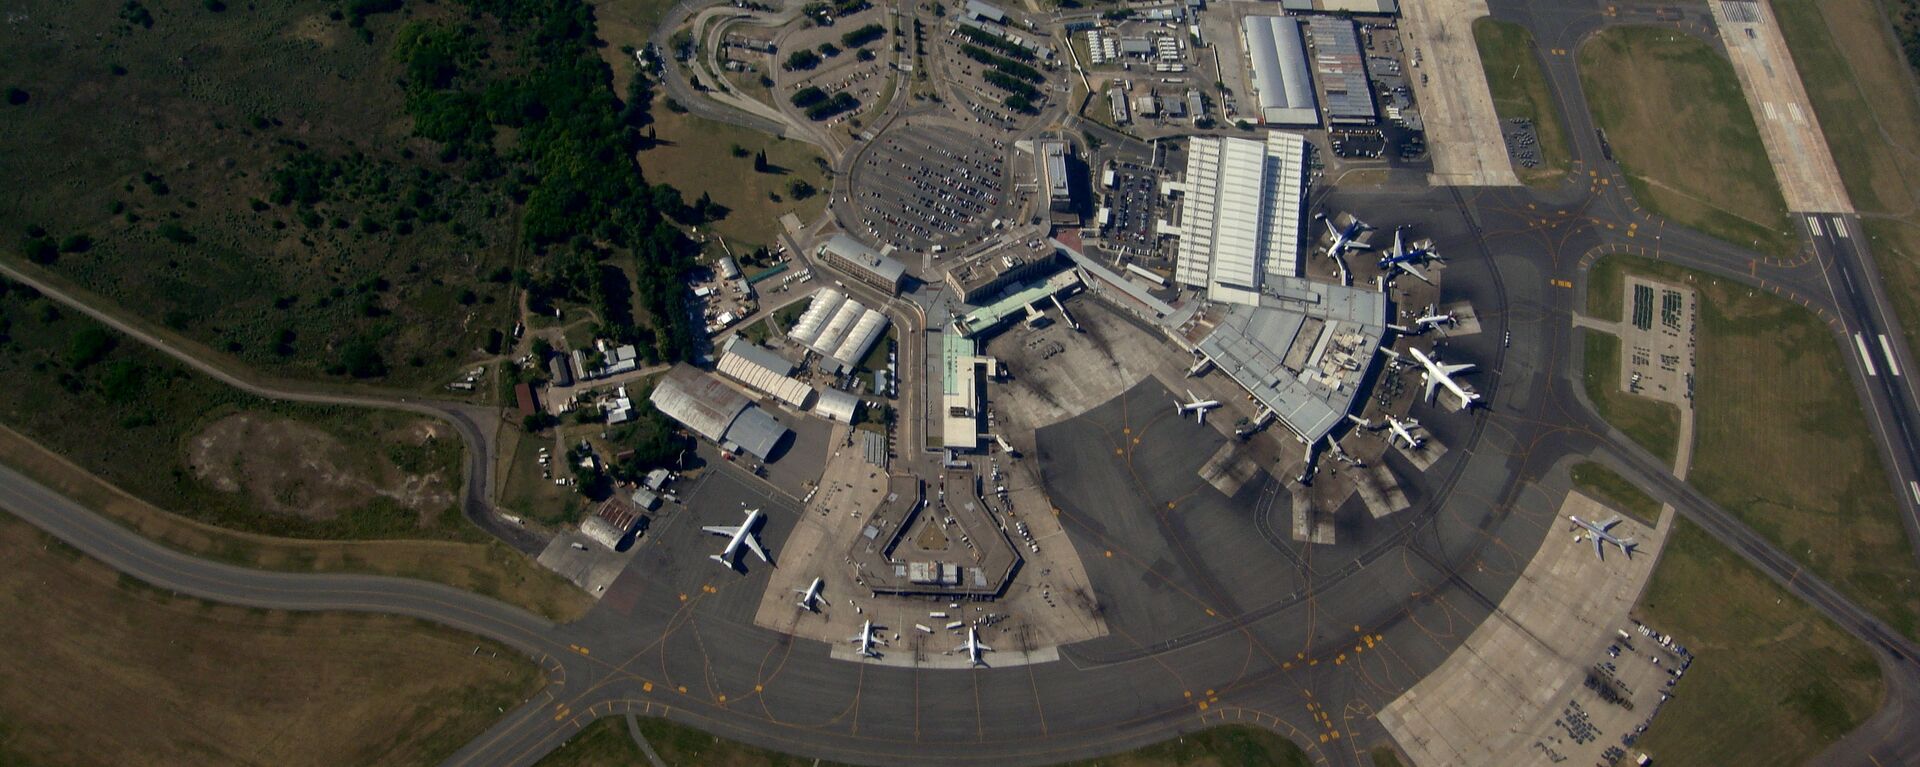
(1433, 319)
(810, 596)
(865, 640)
(1344, 239)
(1402, 428)
(1438, 375)
(974, 647)
(1197, 406)
(744, 535)
(1598, 531)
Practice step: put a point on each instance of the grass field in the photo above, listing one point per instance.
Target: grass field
(606, 743)
(1384, 757)
(1653, 424)
(1681, 130)
(1773, 681)
(164, 147)
(1520, 89)
(488, 568)
(101, 669)
(187, 443)
(1781, 442)
(695, 155)
(1608, 487)
(1856, 77)
(526, 491)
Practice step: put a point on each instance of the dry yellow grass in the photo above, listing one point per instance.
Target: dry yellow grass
(99, 669)
(490, 568)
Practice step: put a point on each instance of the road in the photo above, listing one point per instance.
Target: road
(674, 637)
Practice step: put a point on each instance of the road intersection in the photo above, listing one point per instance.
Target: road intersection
(1339, 633)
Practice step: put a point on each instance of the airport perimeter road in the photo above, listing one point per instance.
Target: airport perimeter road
(477, 425)
(675, 77)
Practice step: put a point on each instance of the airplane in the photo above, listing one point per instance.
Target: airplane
(1198, 407)
(810, 596)
(1408, 261)
(1598, 530)
(744, 535)
(865, 640)
(1343, 239)
(1438, 375)
(974, 647)
(1433, 319)
(1403, 429)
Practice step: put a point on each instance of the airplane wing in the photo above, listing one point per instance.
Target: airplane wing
(753, 542)
(1413, 270)
(1433, 384)
(1597, 550)
(722, 530)
(1608, 525)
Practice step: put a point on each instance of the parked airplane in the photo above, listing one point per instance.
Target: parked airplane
(745, 535)
(865, 640)
(1409, 260)
(1344, 239)
(974, 647)
(1438, 375)
(1431, 320)
(810, 596)
(1198, 407)
(1403, 429)
(1598, 530)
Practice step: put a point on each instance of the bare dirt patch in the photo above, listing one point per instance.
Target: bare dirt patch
(292, 468)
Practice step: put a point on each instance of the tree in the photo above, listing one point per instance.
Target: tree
(760, 161)
(800, 189)
(41, 250)
(18, 96)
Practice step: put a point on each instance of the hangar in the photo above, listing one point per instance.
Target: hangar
(760, 368)
(838, 327)
(1342, 71)
(1240, 214)
(1280, 78)
(716, 411)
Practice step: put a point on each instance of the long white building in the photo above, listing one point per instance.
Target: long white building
(1240, 214)
(1278, 60)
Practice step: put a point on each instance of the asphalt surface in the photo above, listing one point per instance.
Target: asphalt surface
(1209, 626)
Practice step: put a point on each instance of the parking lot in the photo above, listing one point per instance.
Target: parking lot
(930, 184)
(1134, 205)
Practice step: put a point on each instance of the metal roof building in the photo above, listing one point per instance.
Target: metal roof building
(1302, 351)
(1053, 172)
(1341, 70)
(760, 368)
(838, 327)
(864, 263)
(836, 405)
(985, 12)
(1280, 78)
(716, 411)
(1240, 214)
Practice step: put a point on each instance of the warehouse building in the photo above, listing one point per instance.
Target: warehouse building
(839, 328)
(1341, 70)
(1279, 64)
(764, 371)
(712, 409)
(837, 406)
(863, 263)
(1241, 211)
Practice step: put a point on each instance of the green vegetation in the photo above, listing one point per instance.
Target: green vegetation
(1781, 442)
(1856, 78)
(983, 38)
(1685, 139)
(1384, 756)
(1653, 424)
(1773, 681)
(124, 673)
(1519, 86)
(1002, 64)
(692, 154)
(342, 193)
(607, 743)
(801, 60)
(863, 36)
(1608, 487)
(170, 436)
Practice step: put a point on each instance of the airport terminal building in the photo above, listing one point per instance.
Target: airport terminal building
(1300, 348)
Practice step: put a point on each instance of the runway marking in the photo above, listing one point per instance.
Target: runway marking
(1813, 222)
(1840, 228)
(1860, 342)
(1893, 368)
(1561, 283)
